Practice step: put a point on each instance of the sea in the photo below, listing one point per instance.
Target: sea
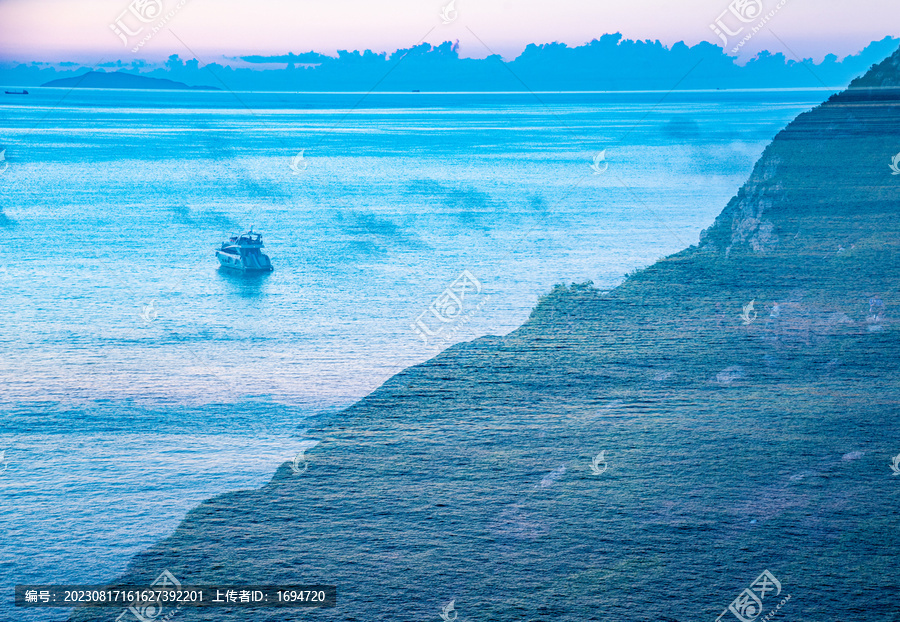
(137, 378)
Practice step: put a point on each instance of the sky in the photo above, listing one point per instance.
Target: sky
(80, 30)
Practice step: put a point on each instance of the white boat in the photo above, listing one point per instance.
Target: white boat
(243, 252)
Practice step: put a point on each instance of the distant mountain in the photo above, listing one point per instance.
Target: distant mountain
(122, 80)
(610, 63)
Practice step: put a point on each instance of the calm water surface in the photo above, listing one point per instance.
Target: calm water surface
(114, 425)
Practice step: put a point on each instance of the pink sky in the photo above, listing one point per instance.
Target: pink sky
(54, 30)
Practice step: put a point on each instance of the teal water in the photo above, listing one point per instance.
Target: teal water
(114, 425)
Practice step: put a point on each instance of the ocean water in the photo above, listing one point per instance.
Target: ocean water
(138, 379)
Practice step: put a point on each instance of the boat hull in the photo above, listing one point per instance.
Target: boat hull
(238, 263)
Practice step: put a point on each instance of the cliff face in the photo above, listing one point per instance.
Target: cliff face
(744, 393)
(831, 166)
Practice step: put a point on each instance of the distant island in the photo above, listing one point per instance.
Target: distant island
(122, 80)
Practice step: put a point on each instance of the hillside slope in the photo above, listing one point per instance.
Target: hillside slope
(733, 445)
